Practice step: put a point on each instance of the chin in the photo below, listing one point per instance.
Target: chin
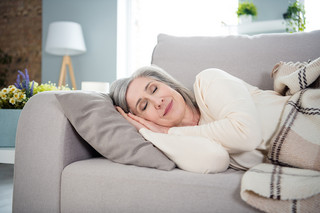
(165, 124)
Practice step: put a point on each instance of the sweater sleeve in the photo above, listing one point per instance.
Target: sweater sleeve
(234, 118)
(190, 153)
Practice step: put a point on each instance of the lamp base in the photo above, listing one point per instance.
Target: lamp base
(63, 72)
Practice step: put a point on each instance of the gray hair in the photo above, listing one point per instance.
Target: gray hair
(118, 88)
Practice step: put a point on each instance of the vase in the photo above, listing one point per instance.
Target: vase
(245, 19)
(8, 126)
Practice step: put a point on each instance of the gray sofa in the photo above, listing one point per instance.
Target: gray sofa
(57, 171)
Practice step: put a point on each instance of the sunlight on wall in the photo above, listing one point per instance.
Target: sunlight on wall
(140, 21)
(179, 17)
(312, 8)
(184, 17)
(148, 18)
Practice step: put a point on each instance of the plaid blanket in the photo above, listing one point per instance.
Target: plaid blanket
(290, 77)
(297, 140)
(290, 182)
(273, 188)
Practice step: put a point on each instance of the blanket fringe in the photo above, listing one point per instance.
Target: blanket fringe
(269, 188)
(290, 77)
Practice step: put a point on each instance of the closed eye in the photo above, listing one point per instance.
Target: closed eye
(145, 106)
(155, 89)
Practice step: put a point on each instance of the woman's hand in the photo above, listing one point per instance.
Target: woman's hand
(140, 123)
(136, 124)
(149, 125)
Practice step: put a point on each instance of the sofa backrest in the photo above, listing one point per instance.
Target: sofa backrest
(250, 58)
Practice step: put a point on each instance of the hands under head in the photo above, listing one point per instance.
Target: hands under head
(140, 123)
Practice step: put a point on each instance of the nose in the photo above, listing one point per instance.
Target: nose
(158, 102)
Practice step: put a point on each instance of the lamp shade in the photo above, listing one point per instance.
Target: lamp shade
(65, 38)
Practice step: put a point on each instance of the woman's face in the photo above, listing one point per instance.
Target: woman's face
(156, 102)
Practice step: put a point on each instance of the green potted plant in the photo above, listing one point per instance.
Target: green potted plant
(246, 10)
(295, 17)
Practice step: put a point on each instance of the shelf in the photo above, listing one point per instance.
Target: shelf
(262, 27)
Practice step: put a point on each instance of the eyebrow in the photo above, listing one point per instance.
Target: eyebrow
(145, 89)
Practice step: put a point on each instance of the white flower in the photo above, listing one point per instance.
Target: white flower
(5, 90)
(3, 95)
(12, 101)
(12, 89)
(20, 96)
(16, 96)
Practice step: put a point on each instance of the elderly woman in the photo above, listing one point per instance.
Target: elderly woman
(225, 122)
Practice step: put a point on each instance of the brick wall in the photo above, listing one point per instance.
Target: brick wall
(20, 38)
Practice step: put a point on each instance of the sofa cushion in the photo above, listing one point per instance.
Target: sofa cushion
(104, 186)
(95, 118)
(250, 58)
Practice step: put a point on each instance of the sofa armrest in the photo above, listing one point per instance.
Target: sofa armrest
(45, 144)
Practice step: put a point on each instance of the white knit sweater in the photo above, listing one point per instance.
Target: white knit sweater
(236, 123)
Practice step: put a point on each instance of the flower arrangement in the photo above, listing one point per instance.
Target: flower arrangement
(17, 95)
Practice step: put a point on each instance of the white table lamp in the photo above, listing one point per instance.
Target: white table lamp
(65, 39)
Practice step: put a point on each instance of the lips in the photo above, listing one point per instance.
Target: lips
(168, 108)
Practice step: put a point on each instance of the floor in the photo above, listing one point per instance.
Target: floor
(6, 187)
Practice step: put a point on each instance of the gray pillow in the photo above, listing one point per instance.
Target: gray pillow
(97, 121)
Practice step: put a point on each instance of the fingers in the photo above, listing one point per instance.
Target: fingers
(119, 109)
(149, 124)
(137, 118)
(139, 122)
(135, 123)
(125, 115)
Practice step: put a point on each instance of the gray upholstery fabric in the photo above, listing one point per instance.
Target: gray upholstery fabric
(97, 121)
(250, 58)
(45, 144)
(98, 185)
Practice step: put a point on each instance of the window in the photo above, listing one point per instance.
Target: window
(140, 21)
(145, 19)
(312, 14)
